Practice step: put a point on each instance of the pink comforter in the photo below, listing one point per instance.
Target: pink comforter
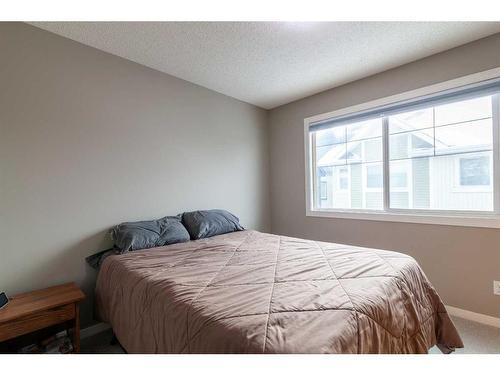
(251, 292)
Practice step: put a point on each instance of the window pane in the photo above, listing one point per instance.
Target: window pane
(447, 182)
(330, 155)
(438, 167)
(400, 200)
(343, 178)
(421, 143)
(399, 176)
(411, 144)
(374, 176)
(354, 152)
(333, 192)
(465, 137)
(398, 146)
(330, 136)
(440, 158)
(374, 200)
(398, 173)
(357, 186)
(368, 150)
(364, 129)
(419, 182)
(342, 156)
(408, 121)
(323, 190)
(466, 110)
(373, 149)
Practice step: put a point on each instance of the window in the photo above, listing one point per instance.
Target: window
(431, 155)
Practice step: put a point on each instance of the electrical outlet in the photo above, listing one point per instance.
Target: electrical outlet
(496, 287)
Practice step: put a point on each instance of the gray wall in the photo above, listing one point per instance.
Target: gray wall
(462, 262)
(88, 140)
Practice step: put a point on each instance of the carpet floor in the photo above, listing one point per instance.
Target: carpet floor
(477, 338)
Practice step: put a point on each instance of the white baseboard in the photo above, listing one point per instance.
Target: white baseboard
(473, 316)
(94, 330)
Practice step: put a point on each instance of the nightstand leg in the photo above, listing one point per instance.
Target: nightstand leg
(76, 330)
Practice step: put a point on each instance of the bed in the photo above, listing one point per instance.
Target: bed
(252, 292)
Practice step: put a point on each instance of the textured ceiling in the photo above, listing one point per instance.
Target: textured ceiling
(272, 63)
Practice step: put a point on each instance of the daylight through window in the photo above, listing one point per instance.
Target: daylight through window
(436, 155)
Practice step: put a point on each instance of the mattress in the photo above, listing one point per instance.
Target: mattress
(252, 292)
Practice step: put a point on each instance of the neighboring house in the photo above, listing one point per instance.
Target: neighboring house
(431, 168)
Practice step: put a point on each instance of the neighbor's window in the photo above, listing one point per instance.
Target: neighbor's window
(433, 155)
(324, 190)
(475, 172)
(343, 178)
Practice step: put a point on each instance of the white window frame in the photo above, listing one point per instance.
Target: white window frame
(490, 219)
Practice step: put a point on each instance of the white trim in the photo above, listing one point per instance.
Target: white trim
(458, 218)
(308, 157)
(473, 316)
(495, 118)
(385, 164)
(486, 221)
(94, 330)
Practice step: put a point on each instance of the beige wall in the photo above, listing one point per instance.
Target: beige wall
(88, 140)
(461, 262)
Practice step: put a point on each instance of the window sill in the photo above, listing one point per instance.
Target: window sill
(481, 220)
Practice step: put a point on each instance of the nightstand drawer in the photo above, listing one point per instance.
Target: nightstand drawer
(36, 321)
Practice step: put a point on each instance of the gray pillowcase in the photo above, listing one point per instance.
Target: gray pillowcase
(203, 224)
(95, 260)
(146, 234)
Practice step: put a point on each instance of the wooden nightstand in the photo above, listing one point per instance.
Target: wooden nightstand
(30, 312)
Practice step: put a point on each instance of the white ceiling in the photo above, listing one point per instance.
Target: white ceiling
(272, 63)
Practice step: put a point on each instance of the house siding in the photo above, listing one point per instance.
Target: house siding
(421, 184)
(444, 194)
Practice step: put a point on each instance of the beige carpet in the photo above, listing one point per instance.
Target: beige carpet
(477, 338)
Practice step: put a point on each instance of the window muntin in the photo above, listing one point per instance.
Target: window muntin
(424, 148)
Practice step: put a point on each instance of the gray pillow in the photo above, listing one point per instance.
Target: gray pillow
(145, 234)
(203, 224)
(95, 260)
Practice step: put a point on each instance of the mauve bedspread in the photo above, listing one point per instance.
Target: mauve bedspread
(251, 292)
